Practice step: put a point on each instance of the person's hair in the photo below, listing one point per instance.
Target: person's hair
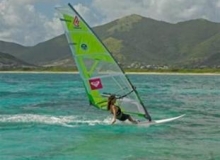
(110, 98)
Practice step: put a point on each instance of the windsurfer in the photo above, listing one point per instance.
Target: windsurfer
(116, 111)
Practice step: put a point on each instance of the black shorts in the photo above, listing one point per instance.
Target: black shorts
(123, 117)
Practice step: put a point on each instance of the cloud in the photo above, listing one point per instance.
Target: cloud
(24, 23)
(167, 10)
(21, 23)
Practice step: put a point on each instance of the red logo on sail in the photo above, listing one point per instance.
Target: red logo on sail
(95, 83)
(76, 21)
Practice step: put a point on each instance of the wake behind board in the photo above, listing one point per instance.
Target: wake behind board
(147, 123)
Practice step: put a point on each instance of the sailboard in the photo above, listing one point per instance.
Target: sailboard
(99, 71)
(154, 122)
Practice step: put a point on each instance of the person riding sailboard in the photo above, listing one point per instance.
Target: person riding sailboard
(99, 70)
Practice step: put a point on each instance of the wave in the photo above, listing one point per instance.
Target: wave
(66, 121)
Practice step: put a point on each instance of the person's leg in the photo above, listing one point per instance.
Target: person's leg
(132, 120)
(127, 116)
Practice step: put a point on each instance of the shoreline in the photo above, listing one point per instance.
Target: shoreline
(137, 73)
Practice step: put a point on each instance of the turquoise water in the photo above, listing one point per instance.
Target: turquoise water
(47, 116)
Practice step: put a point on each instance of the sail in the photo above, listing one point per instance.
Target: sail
(100, 73)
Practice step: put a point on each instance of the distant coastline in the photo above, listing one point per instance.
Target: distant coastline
(126, 72)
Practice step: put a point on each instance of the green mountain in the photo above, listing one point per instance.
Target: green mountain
(136, 41)
(9, 62)
(154, 42)
(12, 48)
(50, 52)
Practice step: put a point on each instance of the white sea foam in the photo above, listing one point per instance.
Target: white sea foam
(67, 121)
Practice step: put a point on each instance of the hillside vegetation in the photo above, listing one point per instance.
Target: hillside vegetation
(137, 42)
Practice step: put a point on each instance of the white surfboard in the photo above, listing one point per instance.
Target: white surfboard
(147, 123)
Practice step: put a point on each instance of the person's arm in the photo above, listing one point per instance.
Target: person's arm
(114, 115)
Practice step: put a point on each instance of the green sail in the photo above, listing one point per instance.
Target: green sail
(98, 69)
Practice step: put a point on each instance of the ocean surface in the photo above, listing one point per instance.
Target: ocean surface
(48, 117)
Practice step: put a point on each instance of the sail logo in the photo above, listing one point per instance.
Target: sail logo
(84, 46)
(95, 84)
(76, 22)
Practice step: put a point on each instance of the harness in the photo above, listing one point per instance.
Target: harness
(119, 112)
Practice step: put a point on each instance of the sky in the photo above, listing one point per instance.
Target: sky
(29, 22)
